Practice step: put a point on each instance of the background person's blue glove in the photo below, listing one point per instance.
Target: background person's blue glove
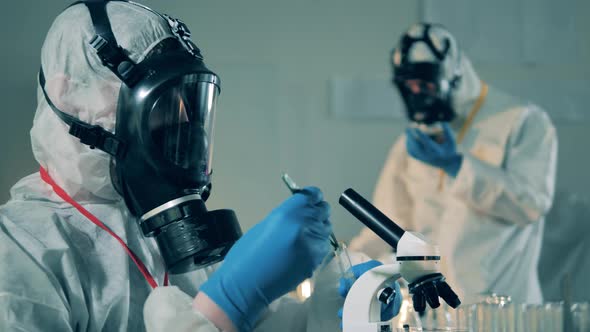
(272, 258)
(442, 155)
(387, 311)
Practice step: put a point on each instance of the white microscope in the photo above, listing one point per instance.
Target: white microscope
(417, 262)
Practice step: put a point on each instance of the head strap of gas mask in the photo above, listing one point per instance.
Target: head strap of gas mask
(113, 57)
(408, 41)
(432, 72)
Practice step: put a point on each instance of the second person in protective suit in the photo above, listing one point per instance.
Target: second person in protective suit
(474, 171)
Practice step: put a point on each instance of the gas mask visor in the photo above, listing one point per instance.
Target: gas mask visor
(181, 124)
(427, 97)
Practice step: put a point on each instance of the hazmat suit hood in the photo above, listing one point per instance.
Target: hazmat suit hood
(79, 85)
(468, 89)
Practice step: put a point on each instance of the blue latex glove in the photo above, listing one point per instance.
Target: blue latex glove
(387, 311)
(272, 258)
(441, 155)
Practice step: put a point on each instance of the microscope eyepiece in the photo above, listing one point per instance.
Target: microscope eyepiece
(369, 215)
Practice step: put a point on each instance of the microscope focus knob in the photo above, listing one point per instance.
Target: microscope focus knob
(386, 295)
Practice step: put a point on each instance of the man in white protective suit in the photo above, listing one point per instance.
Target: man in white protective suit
(474, 172)
(123, 134)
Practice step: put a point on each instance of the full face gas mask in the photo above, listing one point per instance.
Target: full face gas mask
(163, 143)
(426, 86)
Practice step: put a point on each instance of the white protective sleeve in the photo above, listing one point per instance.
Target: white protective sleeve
(29, 300)
(522, 190)
(170, 309)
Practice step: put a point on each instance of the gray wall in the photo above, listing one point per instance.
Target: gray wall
(275, 59)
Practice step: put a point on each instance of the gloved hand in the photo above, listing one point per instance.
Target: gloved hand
(272, 258)
(387, 311)
(442, 155)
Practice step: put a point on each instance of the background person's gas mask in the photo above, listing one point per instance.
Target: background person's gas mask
(163, 144)
(425, 71)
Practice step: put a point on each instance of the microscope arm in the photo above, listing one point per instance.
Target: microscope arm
(362, 306)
